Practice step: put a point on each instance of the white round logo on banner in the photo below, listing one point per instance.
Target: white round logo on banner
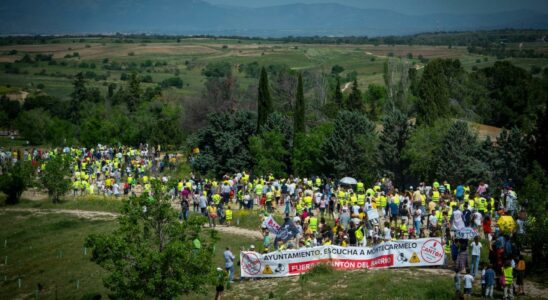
(432, 251)
(251, 263)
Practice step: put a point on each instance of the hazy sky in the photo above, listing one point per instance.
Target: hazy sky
(413, 6)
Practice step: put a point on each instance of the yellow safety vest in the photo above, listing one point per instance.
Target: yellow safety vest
(361, 199)
(353, 199)
(435, 196)
(508, 276)
(313, 223)
(228, 214)
(396, 199)
(383, 201)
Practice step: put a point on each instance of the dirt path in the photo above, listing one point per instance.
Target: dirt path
(346, 86)
(86, 214)
(240, 231)
(102, 215)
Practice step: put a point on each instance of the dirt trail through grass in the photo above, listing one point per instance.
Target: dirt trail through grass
(86, 214)
(102, 215)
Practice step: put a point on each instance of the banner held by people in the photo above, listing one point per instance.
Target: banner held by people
(396, 254)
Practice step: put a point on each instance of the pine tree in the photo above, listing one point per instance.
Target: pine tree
(540, 134)
(396, 131)
(299, 116)
(338, 95)
(352, 147)
(264, 101)
(134, 92)
(78, 96)
(457, 158)
(510, 158)
(435, 89)
(355, 102)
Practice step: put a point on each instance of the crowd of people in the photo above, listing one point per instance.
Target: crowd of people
(324, 211)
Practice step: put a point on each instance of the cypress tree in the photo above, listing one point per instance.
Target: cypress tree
(299, 117)
(395, 134)
(264, 101)
(355, 102)
(338, 95)
(78, 96)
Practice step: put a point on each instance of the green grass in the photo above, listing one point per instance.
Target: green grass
(48, 250)
(92, 203)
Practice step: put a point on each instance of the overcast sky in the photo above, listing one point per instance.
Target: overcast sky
(413, 6)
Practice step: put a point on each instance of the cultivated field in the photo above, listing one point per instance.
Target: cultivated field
(162, 59)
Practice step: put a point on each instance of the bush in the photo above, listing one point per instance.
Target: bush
(173, 81)
(3, 198)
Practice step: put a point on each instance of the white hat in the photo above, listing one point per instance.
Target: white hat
(252, 247)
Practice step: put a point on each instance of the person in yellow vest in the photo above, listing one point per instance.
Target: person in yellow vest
(216, 199)
(268, 201)
(452, 204)
(482, 205)
(340, 198)
(318, 182)
(212, 214)
(353, 198)
(228, 215)
(492, 204)
(361, 199)
(382, 205)
(313, 222)
(308, 201)
(404, 230)
(396, 198)
(471, 203)
(360, 187)
(75, 186)
(507, 272)
(435, 195)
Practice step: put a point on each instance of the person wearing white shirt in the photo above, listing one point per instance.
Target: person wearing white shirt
(476, 254)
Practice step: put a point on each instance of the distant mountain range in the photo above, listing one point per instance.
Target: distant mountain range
(199, 17)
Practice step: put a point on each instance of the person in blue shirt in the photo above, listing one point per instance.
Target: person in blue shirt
(459, 193)
(489, 281)
(394, 213)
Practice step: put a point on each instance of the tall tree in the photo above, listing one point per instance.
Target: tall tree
(224, 144)
(153, 256)
(338, 95)
(435, 90)
(457, 158)
(395, 133)
(355, 102)
(535, 199)
(510, 159)
(422, 148)
(540, 134)
(77, 97)
(133, 92)
(270, 153)
(264, 102)
(351, 148)
(299, 115)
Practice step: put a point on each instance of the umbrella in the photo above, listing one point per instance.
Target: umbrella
(348, 181)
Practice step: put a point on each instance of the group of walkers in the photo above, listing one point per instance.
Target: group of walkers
(325, 211)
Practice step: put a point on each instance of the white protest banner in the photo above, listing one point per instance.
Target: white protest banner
(372, 214)
(396, 254)
(271, 225)
(466, 233)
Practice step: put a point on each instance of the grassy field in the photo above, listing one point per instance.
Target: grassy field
(48, 250)
(187, 58)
